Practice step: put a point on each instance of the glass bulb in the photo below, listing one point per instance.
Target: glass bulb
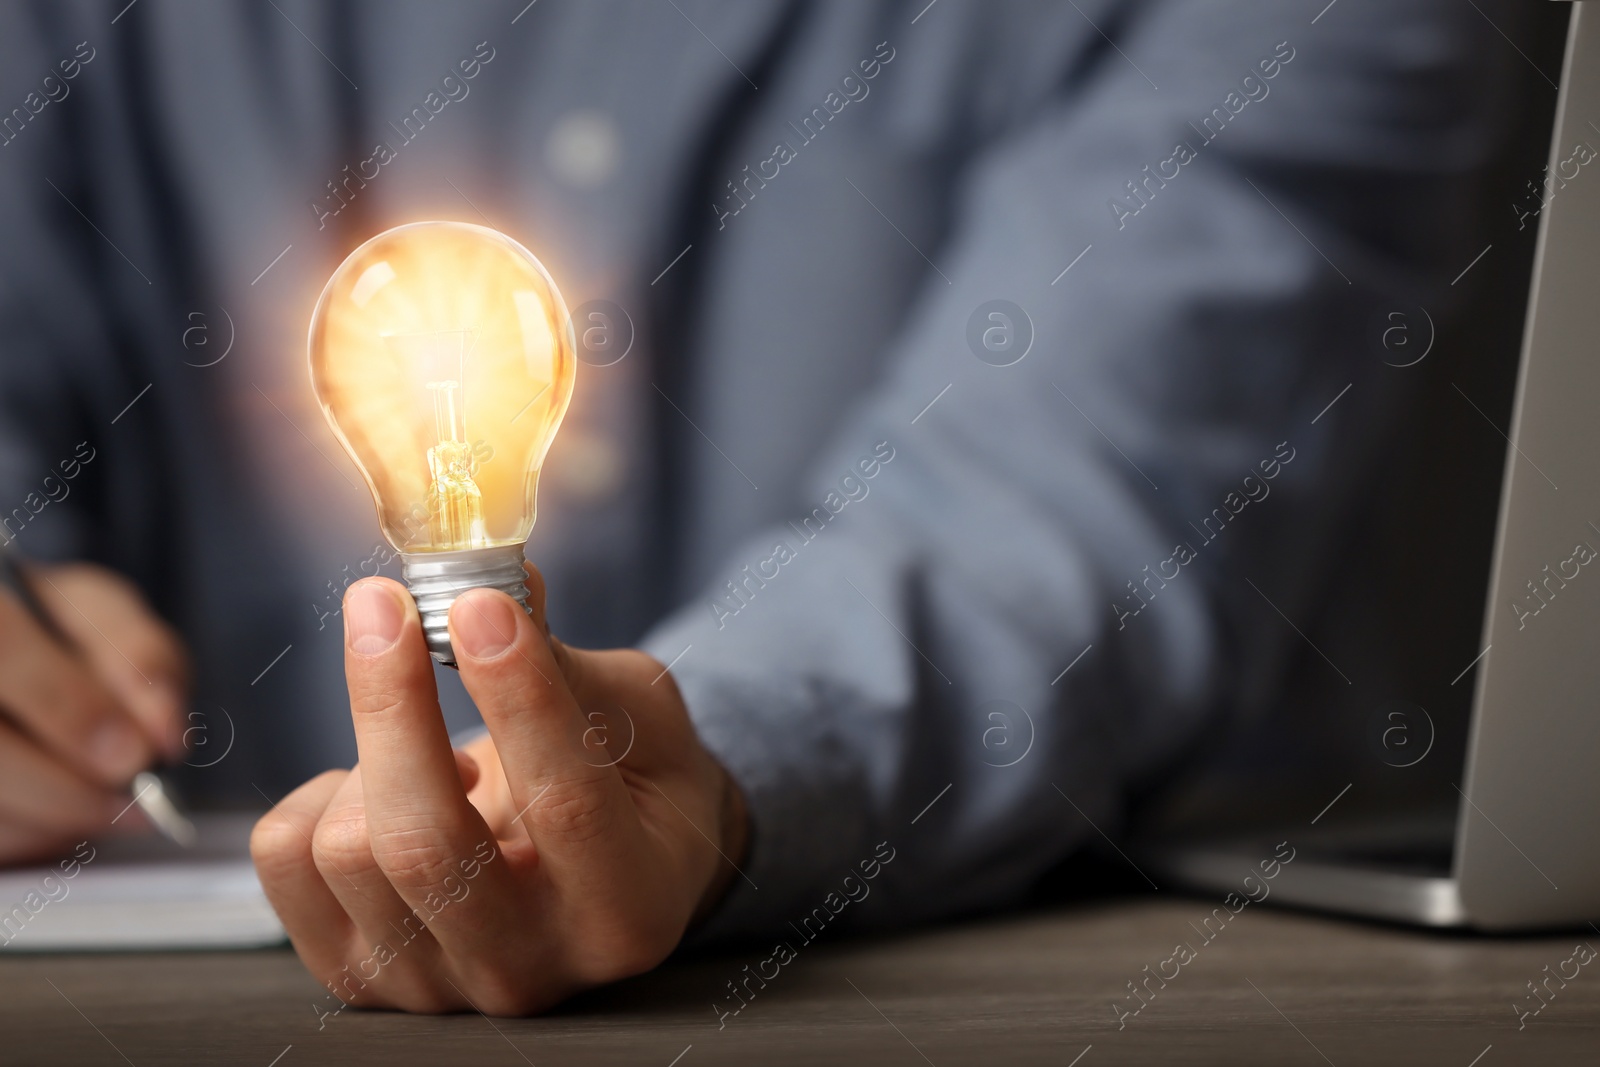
(442, 355)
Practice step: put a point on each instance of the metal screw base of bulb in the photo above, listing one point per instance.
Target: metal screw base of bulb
(437, 578)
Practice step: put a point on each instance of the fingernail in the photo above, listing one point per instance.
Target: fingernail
(373, 618)
(483, 624)
(115, 748)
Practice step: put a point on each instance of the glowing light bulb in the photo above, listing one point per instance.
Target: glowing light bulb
(443, 357)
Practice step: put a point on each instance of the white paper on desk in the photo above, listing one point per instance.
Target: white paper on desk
(143, 894)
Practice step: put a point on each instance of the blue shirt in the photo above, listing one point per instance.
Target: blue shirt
(976, 361)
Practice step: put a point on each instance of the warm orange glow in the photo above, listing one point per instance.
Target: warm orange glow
(442, 357)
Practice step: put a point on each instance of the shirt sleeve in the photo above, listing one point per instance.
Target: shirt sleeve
(1024, 589)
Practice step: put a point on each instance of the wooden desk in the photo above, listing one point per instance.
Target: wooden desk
(1272, 988)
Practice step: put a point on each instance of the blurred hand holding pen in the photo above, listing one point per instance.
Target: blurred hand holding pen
(149, 791)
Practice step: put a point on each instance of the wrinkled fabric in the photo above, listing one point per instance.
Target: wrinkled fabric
(915, 568)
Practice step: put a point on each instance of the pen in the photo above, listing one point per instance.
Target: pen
(149, 790)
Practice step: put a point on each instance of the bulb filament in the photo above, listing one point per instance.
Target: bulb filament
(455, 505)
(454, 502)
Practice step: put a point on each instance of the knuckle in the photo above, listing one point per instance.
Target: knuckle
(573, 810)
(515, 685)
(375, 695)
(282, 833)
(342, 843)
(380, 687)
(416, 857)
(277, 846)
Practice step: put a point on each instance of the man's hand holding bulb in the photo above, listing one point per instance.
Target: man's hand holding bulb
(607, 844)
(551, 855)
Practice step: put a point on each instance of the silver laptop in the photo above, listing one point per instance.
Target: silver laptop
(1521, 848)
